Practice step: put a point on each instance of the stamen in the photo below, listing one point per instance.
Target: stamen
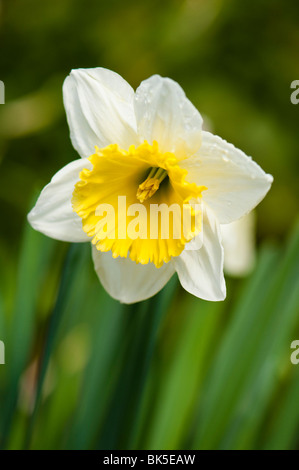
(98, 199)
(148, 188)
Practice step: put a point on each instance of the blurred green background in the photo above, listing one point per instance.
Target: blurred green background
(174, 372)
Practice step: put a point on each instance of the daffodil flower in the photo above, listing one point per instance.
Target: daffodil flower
(147, 146)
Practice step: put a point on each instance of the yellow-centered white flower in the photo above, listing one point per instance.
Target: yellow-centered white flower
(148, 146)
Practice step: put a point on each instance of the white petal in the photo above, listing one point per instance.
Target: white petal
(128, 281)
(100, 110)
(196, 242)
(238, 240)
(236, 184)
(201, 271)
(165, 114)
(53, 214)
